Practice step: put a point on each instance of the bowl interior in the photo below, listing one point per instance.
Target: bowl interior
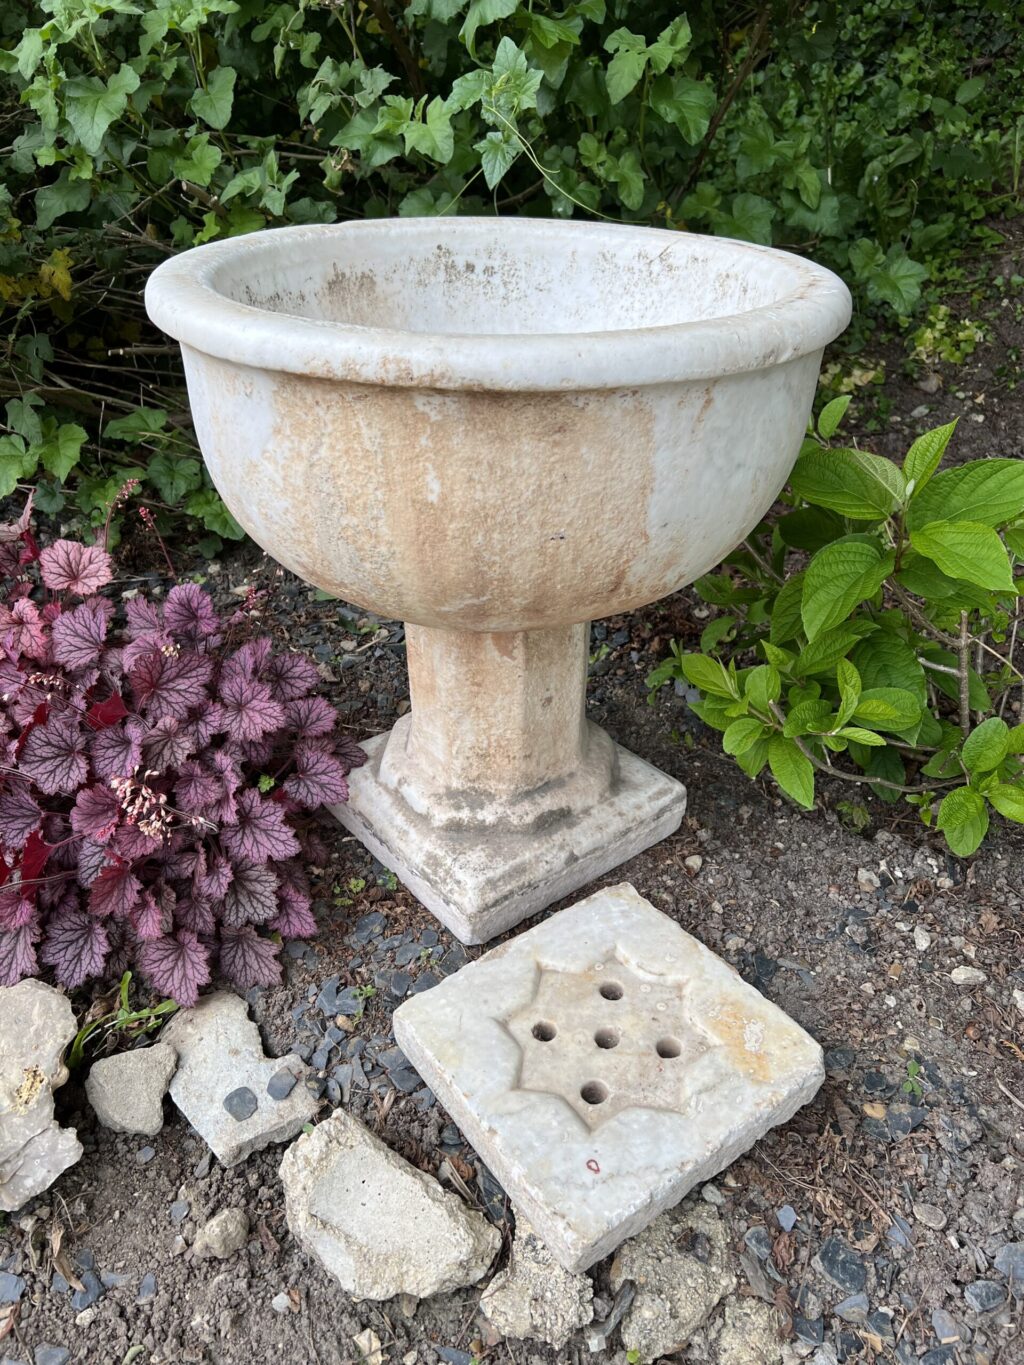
(504, 276)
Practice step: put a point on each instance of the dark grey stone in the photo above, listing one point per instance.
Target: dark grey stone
(11, 1287)
(452, 1356)
(111, 1280)
(281, 1083)
(424, 982)
(147, 1289)
(399, 984)
(327, 1000)
(838, 1262)
(349, 1002)
(321, 1057)
(983, 1296)
(428, 938)
(333, 1091)
(58, 1284)
(90, 1293)
(409, 952)
(179, 1211)
(839, 1059)
(759, 1242)
(406, 1081)
(854, 1308)
(1009, 1261)
(809, 1330)
(946, 1327)
(241, 1104)
(450, 1135)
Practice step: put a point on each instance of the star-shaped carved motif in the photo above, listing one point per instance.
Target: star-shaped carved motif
(611, 1038)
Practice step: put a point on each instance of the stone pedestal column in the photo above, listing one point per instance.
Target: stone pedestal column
(494, 795)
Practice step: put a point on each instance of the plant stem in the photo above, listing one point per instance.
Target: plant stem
(965, 676)
(760, 561)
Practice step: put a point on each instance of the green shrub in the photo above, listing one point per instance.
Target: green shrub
(876, 140)
(875, 620)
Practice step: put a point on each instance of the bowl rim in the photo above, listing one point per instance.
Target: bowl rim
(182, 299)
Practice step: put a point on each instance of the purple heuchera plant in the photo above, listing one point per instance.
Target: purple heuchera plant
(154, 783)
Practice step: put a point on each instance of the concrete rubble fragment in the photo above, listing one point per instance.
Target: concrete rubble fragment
(377, 1224)
(36, 1024)
(127, 1090)
(220, 1052)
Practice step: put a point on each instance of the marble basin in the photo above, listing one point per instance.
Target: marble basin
(496, 430)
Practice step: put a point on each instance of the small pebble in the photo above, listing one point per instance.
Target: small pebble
(968, 976)
(694, 863)
(51, 1355)
(922, 938)
(854, 1308)
(144, 1155)
(930, 1216)
(241, 1104)
(281, 1084)
(711, 1194)
(786, 1217)
(179, 1211)
(147, 1289)
(945, 1327)
(281, 1303)
(91, 1291)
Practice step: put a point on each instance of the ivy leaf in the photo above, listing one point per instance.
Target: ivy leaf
(480, 14)
(627, 65)
(173, 475)
(792, 770)
(434, 137)
(967, 550)
(213, 105)
(963, 818)
(498, 150)
(60, 452)
(925, 454)
(853, 483)
(750, 218)
(986, 746)
(1008, 800)
(175, 966)
(837, 579)
(141, 422)
(199, 160)
(208, 506)
(686, 104)
(17, 462)
(987, 491)
(91, 105)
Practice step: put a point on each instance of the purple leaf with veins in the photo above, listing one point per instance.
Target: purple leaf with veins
(309, 717)
(148, 919)
(144, 617)
(114, 892)
(290, 676)
(117, 751)
(169, 685)
(248, 960)
(260, 831)
(69, 566)
(96, 812)
(252, 896)
(189, 613)
(176, 966)
(54, 754)
(75, 946)
(318, 779)
(19, 816)
(18, 954)
(79, 635)
(248, 710)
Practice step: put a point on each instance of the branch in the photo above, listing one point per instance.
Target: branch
(402, 50)
(964, 671)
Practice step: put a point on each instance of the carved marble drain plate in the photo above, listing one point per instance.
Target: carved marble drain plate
(602, 1064)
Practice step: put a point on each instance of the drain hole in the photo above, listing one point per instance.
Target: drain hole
(611, 990)
(594, 1092)
(668, 1047)
(607, 1037)
(543, 1031)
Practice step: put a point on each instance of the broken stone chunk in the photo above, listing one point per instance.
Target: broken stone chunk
(241, 1104)
(534, 1297)
(377, 1224)
(220, 1055)
(36, 1024)
(127, 1090)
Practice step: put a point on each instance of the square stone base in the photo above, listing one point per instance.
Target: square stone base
(602, 1064)
(481, 882)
